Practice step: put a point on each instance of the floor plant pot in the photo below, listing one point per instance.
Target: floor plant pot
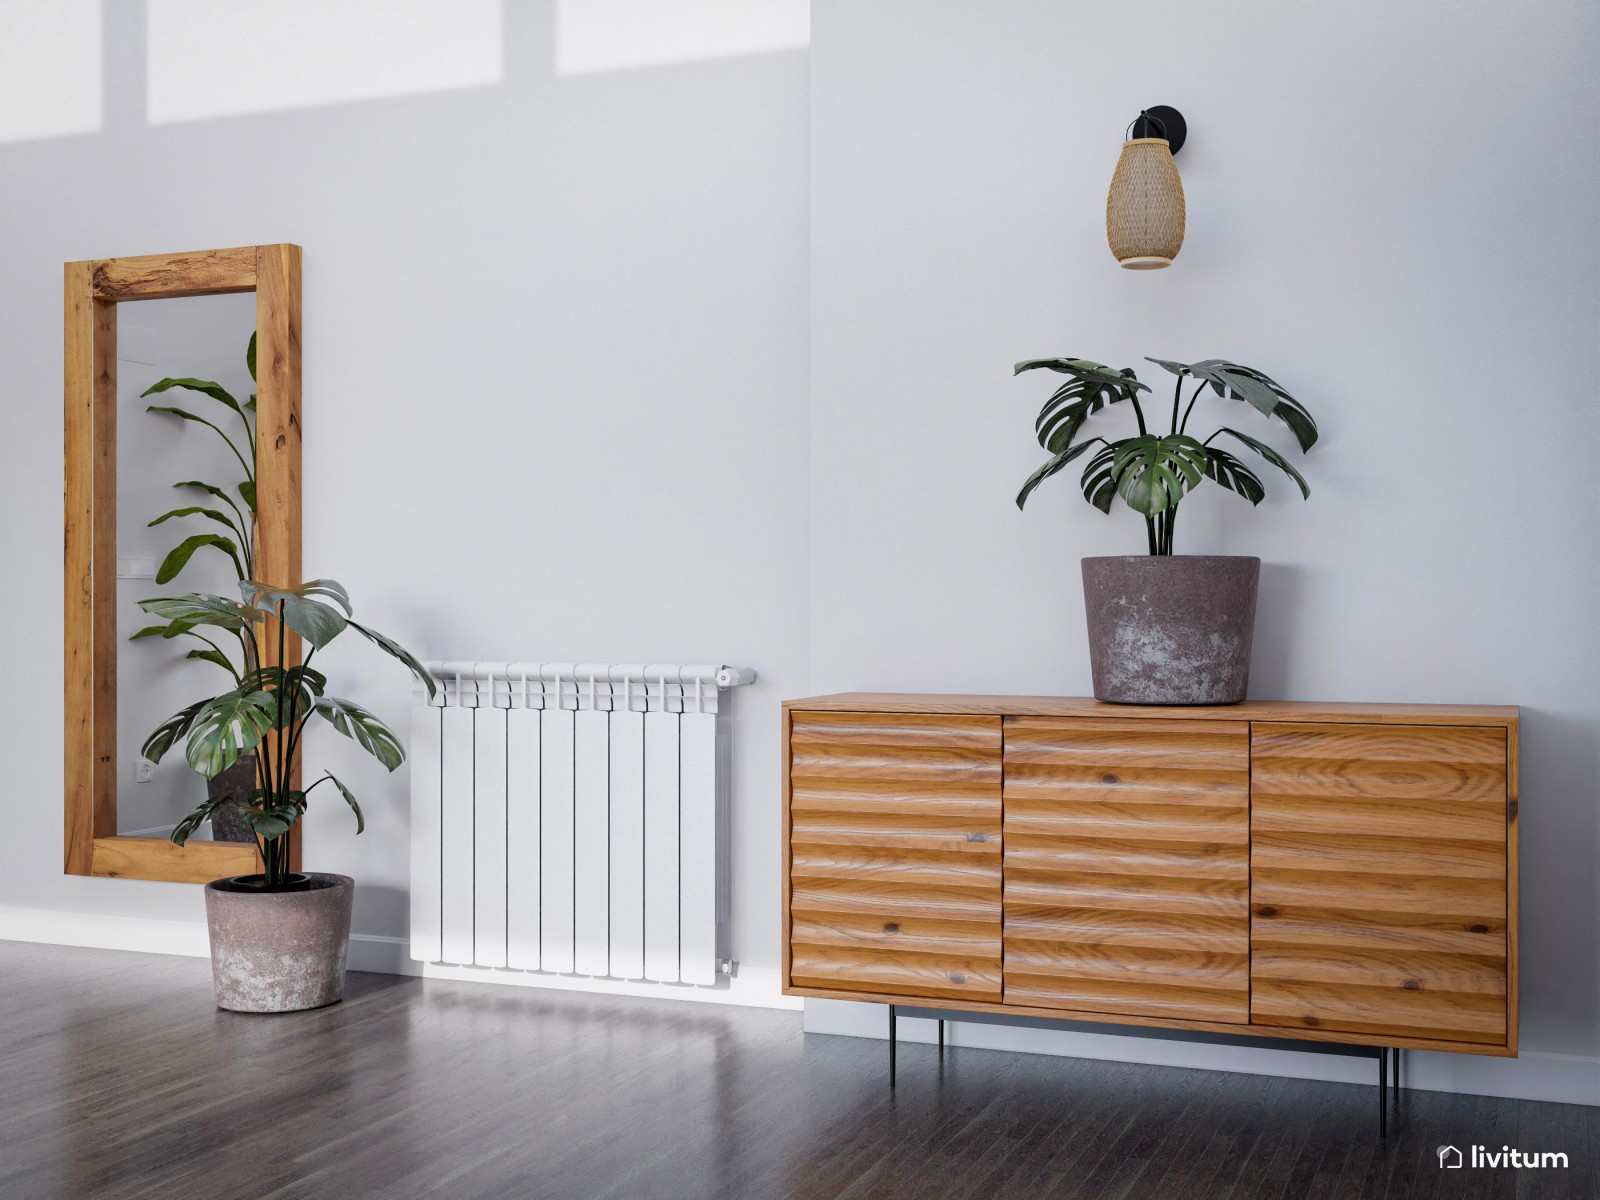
(279, 950)
(1170, 629)
(229, 822)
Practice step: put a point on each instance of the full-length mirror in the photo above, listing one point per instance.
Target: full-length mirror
(182, 387)
(185, 524)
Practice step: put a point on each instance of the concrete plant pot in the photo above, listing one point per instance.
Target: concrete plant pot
(1172, 629)
(279, 951)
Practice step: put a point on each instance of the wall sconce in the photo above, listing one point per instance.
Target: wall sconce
(1144, 210)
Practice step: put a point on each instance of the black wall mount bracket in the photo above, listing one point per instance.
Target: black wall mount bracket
(1162, 121)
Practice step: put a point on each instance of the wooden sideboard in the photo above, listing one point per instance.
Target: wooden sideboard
(1334, 872)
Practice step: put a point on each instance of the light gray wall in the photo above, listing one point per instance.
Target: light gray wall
(1390, 209)
(555, 380)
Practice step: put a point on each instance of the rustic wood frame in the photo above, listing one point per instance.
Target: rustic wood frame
(93, 289)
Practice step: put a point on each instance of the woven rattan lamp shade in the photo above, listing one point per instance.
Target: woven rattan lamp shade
(1144, 211)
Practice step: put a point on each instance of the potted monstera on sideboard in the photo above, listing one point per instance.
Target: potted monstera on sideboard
(1165, 628)
(278, 939)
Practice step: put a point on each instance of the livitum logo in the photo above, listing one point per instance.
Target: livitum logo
(1481, 1156)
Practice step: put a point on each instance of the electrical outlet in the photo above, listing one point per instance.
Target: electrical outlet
(143, 770)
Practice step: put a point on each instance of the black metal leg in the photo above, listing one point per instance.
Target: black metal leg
(891, 1045)
(1397, 1079)
(1383, 1091)
(941, 1039)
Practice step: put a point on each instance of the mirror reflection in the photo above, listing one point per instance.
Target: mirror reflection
(185, 500)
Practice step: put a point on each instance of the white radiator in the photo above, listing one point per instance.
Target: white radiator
(572, 818)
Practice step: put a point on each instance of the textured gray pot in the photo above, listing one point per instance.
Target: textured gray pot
(279, 951)
(229, 822)
(1170, 629)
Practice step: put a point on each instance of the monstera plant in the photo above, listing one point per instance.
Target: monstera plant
(271, 706)
(1165, 629)
(1151, 471)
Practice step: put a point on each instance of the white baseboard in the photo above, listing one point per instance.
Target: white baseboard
(753, 988)
(99, 931)
(1533, 1075)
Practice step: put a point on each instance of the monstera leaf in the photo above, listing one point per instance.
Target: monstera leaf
(1050, 468)
(356, 723)
(1072, 404)
(197, 608)
(396, 650)
(1257, 389)
(1273, 457)
(1083, 368)
(1153, 472)
(318, 623)
(169, 731)
(184, 828)
(302, 683)
(349, 798)
(1232, 474)
(228, 726)
(1098, 482)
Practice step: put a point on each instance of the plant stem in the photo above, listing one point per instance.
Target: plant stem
(1138, 412)
(275, 872)
(1150, 534)
(1177, 394)
(1200, 388)
(297, 726)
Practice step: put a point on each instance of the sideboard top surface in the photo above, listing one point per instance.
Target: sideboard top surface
(1083, 706)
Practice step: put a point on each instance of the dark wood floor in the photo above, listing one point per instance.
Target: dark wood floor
(118, 1078)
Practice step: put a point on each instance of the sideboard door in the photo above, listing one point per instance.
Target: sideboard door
(1379, 868)
(1127, 873)
(894, 854)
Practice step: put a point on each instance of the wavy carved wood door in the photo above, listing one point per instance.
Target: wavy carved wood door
(1379, 861)
(894, 854)
(1127, 872)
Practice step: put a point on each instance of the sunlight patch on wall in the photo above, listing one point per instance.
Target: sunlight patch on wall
(614, 35)
(49, 68)
(226, 58)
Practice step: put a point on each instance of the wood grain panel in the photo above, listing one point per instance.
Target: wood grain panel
(165, 276)
(1379, 880)
(78, 372)
(1127, 867)
(275, 270)
(159, 859)
(894, 838)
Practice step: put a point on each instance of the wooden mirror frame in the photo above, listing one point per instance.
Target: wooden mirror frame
(93, 290)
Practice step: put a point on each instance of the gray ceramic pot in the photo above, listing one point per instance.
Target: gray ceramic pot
(1170, 629)
(279, 951)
